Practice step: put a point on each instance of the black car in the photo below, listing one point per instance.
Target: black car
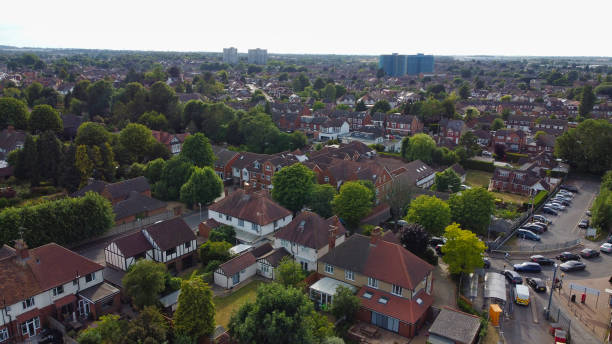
(572, 265)
(589, 253)
(486, 263)
(571, 188)
(565, 256)
(434, 241)
(513, 277)
(51, 336)
(541, 260)
(439, 250)
(534, 228)
(584, 223)
(536, 283)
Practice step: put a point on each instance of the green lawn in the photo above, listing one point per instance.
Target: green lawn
(481, 178)
(225, 305)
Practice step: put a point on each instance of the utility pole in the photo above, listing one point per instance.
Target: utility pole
(551, 292)
(200, 205)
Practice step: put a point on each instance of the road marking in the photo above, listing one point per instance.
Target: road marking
(534, 311)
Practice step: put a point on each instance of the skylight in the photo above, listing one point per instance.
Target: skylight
(383, 300)
(367, 295)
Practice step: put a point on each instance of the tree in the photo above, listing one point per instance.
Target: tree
(163, 98)
(430, 212)
(320, 199)
(472, 209)
(587, 100)
(381, 106)
(353, 203)
(292, 186)
(13, 112)
(318, 84)
(421, 148)
(214, 250)
(204, 186)
(70, 177)
(154, 120)
(464, 91)
(144, 282)
(175, 173)
(27, 161)
(380, 73)
(137, 140)
(360, 106)
(497, 124)
(470, 141)
(223, 233)
(447, 181)
(92, 134)
(289, 272)
(197, 150)
(195, 313)
(149, 326)
(602, 209)
(43, 118)
(463, 251)
(300, 83)
(587, 147)
(345, 304)
(471, 113)
(329, 93)
(539, 134)
(33, 92)
(49, 156)
(109, 329)
(153, 170)
(99, 96)
(415, 239)
(279, 315)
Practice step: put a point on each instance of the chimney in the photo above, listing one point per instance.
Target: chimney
(203, 230)
(21, 249)
(332, 236)
(10, 129)
(375, 236)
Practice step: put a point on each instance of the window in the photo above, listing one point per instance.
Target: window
(90, 277)
(268, 178)
(58, 290)
(75, 282)
(254, 226)
(329, 269)
(228, 218)
(349, 275)
(240, 222)
(367, 295)
(220, 215)
(275, 223)
(397, 290)
(326, 179)
(27, 303)
(268, 168)
(372, 282)
(4, 335)
(171, 251)
(188, 244)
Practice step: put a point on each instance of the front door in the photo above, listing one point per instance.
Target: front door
(83, 308)
(29, 327)
(236, 278)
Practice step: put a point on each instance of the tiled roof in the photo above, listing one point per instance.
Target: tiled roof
(237, 264)
(358, 254)
(123, 188)
(170, 233)
(255, 207)
(96, 186)
(406, 310)
(133, 244)
(310, 230)
(135, 204)
(274, 257)
(458, 326)
(262, 250)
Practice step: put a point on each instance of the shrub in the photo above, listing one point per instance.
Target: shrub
(540, 198)
(478, 165)
(515, 157)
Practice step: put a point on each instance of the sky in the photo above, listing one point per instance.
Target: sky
(440, 27)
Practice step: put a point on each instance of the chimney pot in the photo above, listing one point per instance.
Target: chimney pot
(332, 236)
(375, 236)
(21, 249)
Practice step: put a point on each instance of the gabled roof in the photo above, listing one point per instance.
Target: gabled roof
(255, 207)
(123, 188)
(262, 250)
(237, 264)
(135, 204)
(406, 310)
(166, 137)
(457, 326)
(310, 230)
(170, 233)
(275, 256)
(96, 186)
(133, 244)
(359, 255)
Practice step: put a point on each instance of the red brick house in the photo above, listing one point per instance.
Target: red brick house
(396, 297)
(523, 182)
(403, 125)
(223, 164)
(514, 140)
(116, 192)
(49, 281)
(451, 130)
(174, 142)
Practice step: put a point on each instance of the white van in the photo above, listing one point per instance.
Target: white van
(521, 295)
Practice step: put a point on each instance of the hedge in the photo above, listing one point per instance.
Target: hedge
(515, 157)
(540, 198)
(478, 165)
(65, 221)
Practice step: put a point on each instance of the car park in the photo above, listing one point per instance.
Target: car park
(565, 256)
(521, 295)
(541, 260)
(571, 188)
(536, 283)
(541, 224)
(584, 223)
(513, 277)
(572, 265)
(527, 267)
(527, 234)
(589, 253)
(541, 218)
(534, 227)
(606, 247)
(549, 211)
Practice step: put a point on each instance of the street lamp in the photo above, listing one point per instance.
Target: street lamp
(551, 292)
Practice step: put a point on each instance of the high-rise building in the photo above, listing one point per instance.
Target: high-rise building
(258, 56)
(419, 63)
(230, 55)
(399, 65)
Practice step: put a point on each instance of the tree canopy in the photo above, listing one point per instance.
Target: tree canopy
(420, 146)
(43, 118)
(415, 239)
(463, 251)
(447, 180)
(197, 150)
(195, 313)
(430, 212)
(13, 112)
(292, 186)
(289, 272)
(472, 209)
(587, 147)
(203, 186)
(353, 203)
(345, 304)
(144, 282)
(321, 198)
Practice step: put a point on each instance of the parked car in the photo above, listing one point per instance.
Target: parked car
(534, 228)
(562, 201)
(513, 277)
(541, 218)
(521, 295)
(439, 250)
(555, 205)
(465, 187)
(486, 263)
(536, 283)
(571, 188)
(527, 234)
(589, 253)
(437, 241)
(487, 153)
(549, 211)
(572, 265)
(606, 247)
(588, 213)
(584, 223)
(528, 267)
(565, 256)
(540, 259)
